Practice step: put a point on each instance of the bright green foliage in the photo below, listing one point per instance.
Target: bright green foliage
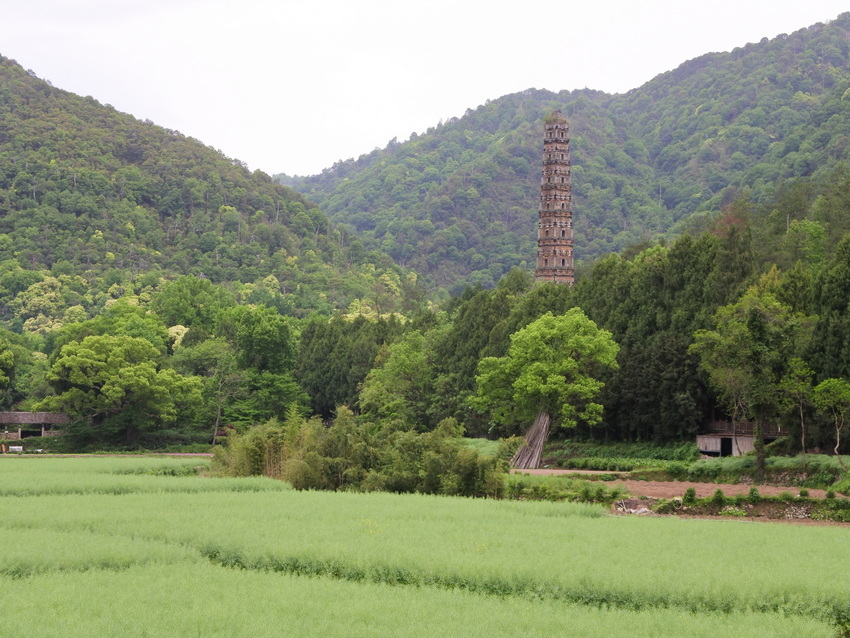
(553, 365)
(7, 364)
(402, 386)
(262, 337)
(263, 395)
(833, 396)
(248, 367)
(122, 319)
(214, 361)
(114, 386)
(749, 353)
(358, 455)
(796, 387)
(265, 350)
(193, 303)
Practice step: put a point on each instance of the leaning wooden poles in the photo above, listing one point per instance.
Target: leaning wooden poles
(529, 455)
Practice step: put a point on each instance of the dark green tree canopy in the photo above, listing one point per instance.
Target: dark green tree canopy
(115, 383)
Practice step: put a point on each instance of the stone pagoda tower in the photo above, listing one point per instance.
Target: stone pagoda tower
(555, 231)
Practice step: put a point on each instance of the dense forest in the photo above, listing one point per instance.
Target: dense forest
(161, 294)
(94, 203)
(458, 203)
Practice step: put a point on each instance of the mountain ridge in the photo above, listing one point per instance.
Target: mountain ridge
(113, 204)
(458, 203)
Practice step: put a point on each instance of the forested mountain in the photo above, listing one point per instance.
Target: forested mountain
(459, 203)
(150, 286)
(96, 205)
(160, 293)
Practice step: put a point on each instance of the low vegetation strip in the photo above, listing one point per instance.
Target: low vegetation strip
(649, 462)
(37, 551)
(37, 476)
(197, 599)
(670, 567)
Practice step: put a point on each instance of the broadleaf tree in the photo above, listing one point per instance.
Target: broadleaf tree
(555, 365)
(114, 387)
(833, 396)
(749, 353)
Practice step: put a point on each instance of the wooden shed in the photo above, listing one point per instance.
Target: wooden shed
(35, 420)
(721, 438)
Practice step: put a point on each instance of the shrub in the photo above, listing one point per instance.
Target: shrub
(686, 452)
(508, 447)
(354, 454)
(754, 496)
(690, 497)
(718, 498)
(842, 486)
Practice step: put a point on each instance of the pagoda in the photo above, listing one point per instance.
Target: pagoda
(555, 228)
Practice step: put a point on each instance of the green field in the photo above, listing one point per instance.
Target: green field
(143, 547)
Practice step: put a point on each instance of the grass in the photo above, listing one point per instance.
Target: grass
(819, 471)
(563, 450)
(485, 447)
(202, 600)
(529, 487)
(652, 462)
(22, 476)
(131, 551)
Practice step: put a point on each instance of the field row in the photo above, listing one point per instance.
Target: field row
(516, 564)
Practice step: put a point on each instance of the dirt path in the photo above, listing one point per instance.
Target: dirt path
(673, 489)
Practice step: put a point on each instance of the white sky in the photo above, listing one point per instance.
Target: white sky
(295, 85)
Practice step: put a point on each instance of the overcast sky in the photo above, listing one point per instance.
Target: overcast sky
(294, 85)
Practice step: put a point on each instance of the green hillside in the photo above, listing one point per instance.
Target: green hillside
(458, 203)
(162, 294)
(96, 205)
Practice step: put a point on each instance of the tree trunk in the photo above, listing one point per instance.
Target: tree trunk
(217, 414)
(735, 428)
(838, 445)
(758, 446)
(803, 434)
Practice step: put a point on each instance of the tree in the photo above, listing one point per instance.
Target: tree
(748, 354)
(192, 302)
(121, 318)
(7, 365)
(797, 387)
(214, 360)
(262, 337)
(833, 396)
(116, 387)
(402, 385)
(553, 365)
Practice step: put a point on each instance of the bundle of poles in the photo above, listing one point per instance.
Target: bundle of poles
(529, 455)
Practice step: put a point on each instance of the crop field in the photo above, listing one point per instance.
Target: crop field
(144, 547)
